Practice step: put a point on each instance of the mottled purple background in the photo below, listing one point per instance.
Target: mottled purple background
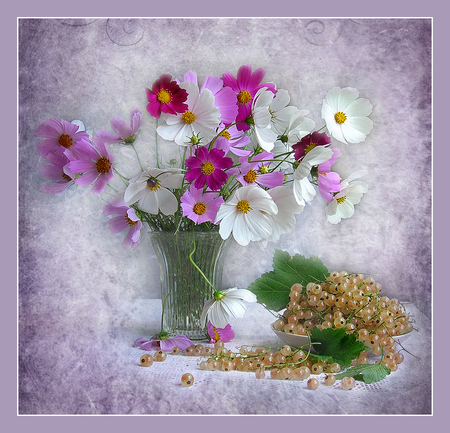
(76, 284)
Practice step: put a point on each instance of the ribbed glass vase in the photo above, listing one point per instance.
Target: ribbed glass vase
(184, 290)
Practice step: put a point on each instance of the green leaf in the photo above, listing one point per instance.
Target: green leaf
(368, 373)
(272, 288)
(336, 343)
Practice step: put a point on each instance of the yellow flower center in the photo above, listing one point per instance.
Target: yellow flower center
(309, 147)
(199, 208)
(164, 96)
(216, 334)
(207, 168)
(340, 117)
(66, 177)
(243, 206)
(152, 184)
(65, 141)
(341, 200)
(102, 165)
(225, 134)
(244, 97)
(129, 221)
(188, 117)
(264, 169)
(251, 176)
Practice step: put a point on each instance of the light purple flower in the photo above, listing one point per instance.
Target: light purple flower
(200, 207)
(126, 219)
(258, 172)
(166, 344)
(58, 136)
(222, 334)
(329, 182)
(96, 165)
(207, 168)
(231, 140)
(55, 171)
(124, 132)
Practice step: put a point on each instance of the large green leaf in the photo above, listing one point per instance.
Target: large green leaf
(336, 343)
(272, 288)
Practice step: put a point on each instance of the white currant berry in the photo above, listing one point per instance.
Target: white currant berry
(187, 380)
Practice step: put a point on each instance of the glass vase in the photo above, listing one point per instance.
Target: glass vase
(184, 290)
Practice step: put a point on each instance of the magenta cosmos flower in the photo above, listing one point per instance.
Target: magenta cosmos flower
(125, 219)
(200, 207)
(58, 136)
(207, 168)
(257, 172)
(124, 132)
(95, 165)
(164, 342)
(309, 142)
(55, 171)
(329, 182)
(245, 86)
(222, 334)
(166, 96)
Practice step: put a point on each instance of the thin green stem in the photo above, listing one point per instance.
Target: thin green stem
(137, 156)
(196, 267)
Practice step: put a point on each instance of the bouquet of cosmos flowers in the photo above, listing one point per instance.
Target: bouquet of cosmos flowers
(249, 161)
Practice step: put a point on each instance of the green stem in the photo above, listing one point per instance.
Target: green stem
(137, 156)
(156, 145)
(162, 312)
(196, 267)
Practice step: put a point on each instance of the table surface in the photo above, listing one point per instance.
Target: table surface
(105, 376)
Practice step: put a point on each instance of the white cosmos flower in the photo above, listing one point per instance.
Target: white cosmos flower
(246, 215)
(263, 134)
(304, 190)
(201, 118)
(280, 111)
(150, 191)
(284, 220)
(343, 203)
(297, 127)
(226, 304)
(346, 115)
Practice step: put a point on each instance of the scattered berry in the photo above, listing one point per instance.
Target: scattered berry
(187, 380)
(146, 360)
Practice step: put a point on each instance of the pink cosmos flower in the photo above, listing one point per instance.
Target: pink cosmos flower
(222, 334)
(309, 142)
(200, 207)
(258, 172)
(55, 171)
(232, 140)
(59, 135)
(166, 344)
(245, 87)
(329, 181)
(225, 98)
(126, 219)
(96, 165)
(207, 168)
(166, 96)
(124, 132)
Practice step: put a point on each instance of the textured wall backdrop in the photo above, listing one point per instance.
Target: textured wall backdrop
(73, 274)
